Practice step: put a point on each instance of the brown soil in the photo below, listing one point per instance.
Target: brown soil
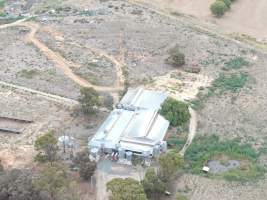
(245, 17)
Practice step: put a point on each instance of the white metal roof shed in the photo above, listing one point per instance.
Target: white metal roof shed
(135, 126)
(140, 98)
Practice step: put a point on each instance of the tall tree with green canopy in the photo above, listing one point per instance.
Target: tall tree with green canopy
(86, 166)
(53, 180)
(176, 112)
(47, 148)
(169, 163)
(153, 186)
(89, 100)
(126, 189)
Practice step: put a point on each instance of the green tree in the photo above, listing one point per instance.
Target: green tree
(17, 184)
(125, 189)
(53, 180)
(152, 184)
(176, 112)
(218, 8)
(176, 58)
(227, 3)
(47, 148)
(169, 163)
(86, 167)
(89, 100)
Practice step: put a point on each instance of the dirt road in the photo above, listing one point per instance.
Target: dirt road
(65, 65)
(60, 62)
(51, 97)
(192, 130)
(16, 23)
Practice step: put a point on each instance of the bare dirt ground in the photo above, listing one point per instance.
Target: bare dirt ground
(17, 150)
(191, 132)
(203, 188)
(245, 17)
(179, 84)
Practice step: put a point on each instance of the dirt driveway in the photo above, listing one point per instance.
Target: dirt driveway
(246, 16)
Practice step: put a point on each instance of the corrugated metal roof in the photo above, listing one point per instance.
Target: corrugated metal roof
(142, 99)
(136, 130)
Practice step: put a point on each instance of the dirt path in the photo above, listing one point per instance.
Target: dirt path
(65, 65)
(16, 23)
(51, 97)
(192, 130)
(60, 62)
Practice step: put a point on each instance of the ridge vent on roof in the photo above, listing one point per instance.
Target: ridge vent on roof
(137, 96)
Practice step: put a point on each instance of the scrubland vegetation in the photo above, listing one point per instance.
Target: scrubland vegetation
(154, 184)
(204, 149)
(232, 82)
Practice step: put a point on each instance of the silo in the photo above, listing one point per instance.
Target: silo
(94, 151)
(117, 146)
(156, 150)
(102, 146)
(121, 153)
(163, 146)
(145, 155)
(129, 156)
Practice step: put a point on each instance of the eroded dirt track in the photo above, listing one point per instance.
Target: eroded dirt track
(65, 65)
(192, 130)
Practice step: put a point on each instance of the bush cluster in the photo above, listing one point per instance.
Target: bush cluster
(176, 112)
(205, 148)
(219, 7)
(176, 57)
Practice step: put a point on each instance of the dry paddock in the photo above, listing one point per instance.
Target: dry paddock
(246, 16)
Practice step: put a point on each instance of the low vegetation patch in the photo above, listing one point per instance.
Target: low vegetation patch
(177, 141)
(29, 74)
(176, 57)
(204, 149)
(2, 3)
(181, 197)
(128, 188)
(5, 19)
(233, 83)
(249, 40)
(86, 74)
(263, 148)
(235, 63)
